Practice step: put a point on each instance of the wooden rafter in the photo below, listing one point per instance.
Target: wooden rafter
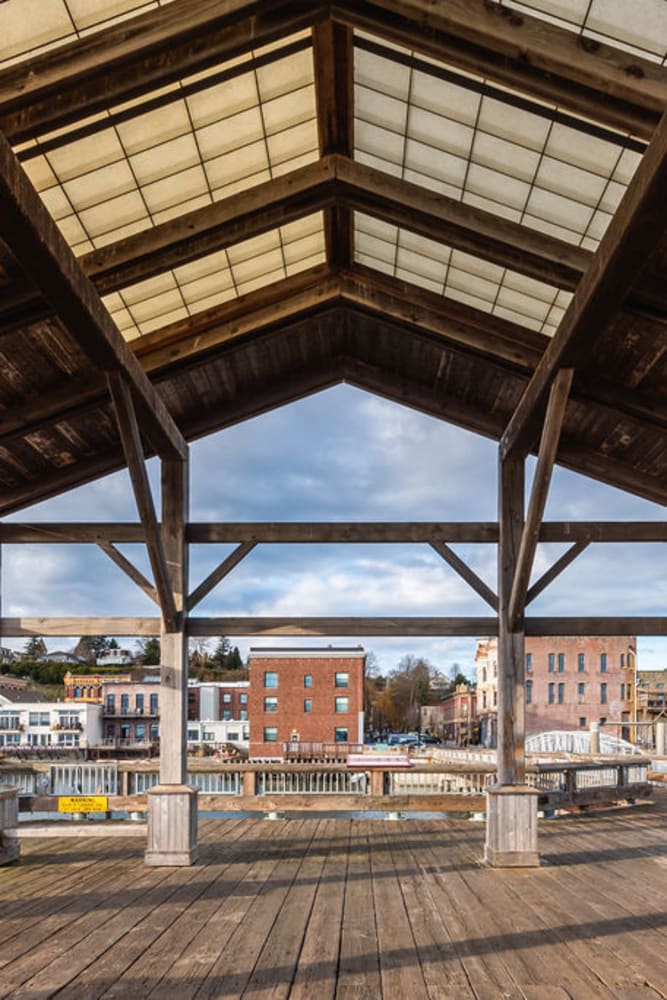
(130, 570)
(526, 53)
(38, 245)
(134, 457)
(633, 233)
(143, 54)
(538, 497)
(554, 571)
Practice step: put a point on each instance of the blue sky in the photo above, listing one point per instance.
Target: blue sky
(343, 455)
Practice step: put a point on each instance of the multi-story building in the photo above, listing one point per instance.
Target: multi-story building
(130, 712)
(571, 682)
(49, 724)
(459, 723)
(216, 732)
(218, 700)
(305, 696)
(651, 692)
(88, 687)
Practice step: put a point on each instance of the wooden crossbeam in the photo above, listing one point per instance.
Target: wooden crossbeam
(466, 573)
(633, 233)
(140, 55)
(219, 573)
(554, 571)
(393, 626)
(604, 84)
(538, 497)
(130, 570)
(134, 456)
(578, 533)
(42, 251)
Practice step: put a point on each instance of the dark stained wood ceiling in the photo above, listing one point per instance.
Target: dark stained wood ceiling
(340, 320)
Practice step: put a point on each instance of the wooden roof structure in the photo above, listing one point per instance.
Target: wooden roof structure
(220, 207)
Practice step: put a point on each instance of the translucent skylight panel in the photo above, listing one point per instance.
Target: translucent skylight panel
(83, 156)
(223, 100)
(492, 152)
(572, 216)
(436, 165)
(99, 186)
(426, 268)
(439, 132)
(295, 142)
(170, 157)
(440, 96)
(289, 110)
(370, 160)
(513, 124)
(285, 76)
(589, 152)
(461, 280)
(177, 189)
(231, 133)
(385, 112)
(570, 181)
(115, 218)
(379, 142)
(497, 187)
(30, 24)
(238, 169)
(381, 75)
(522, 305)
(148, 130)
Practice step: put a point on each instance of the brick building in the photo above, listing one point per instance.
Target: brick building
(459, 716)
(305, 695)
(571, 681)
(130, 712)
(88, 687)
(218, 700)
(651, 695)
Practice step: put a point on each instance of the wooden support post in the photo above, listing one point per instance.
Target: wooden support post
(9, 820)
(511, 816)
(172, 805)
(661, 738)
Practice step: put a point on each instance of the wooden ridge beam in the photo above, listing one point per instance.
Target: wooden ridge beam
(130, 570)
(64, 627)
(219, 573)
(42, 251)
(134, 456)
(139, 55)
(358, 626)
(589, 77)
(333, 55)
(633, 233)
(545, 463)
(554, 571)
(466, 573)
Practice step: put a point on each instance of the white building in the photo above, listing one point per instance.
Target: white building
(49, 724)
(203, 732)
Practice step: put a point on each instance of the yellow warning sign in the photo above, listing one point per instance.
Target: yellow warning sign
(83, 804)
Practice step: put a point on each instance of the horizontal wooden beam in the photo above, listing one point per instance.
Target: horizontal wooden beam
(65, 627)
(42, 252)
(303, 532)
(143, 54)
(390, 626)
(632, 235)
(584, 75)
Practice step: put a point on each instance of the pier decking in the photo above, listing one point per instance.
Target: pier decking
(346, 908)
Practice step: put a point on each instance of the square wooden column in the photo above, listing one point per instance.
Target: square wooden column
(511, 807)
(172, 805)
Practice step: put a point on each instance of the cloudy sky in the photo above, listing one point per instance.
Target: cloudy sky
(343, 455)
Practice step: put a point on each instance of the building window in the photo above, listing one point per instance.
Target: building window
(111, 704)
(307, 680)
(139, 704)
(270, 734)
(603, 720)
(153, 702)
(561, 662)
(342, 679)
(529, 692)
(622, 692)
(582, 721)
(243, 715)
(124, 704)
(243, 698)
(232, 736)
(226, 714)
(603, 694)
(483, 699)
(551, 694)
(140, 731)
(208, 737)
(307, 705)
(483, 675)
(193, 735)
(270, 704)
(340, 734)
(581, 662)
(603, 663)
(622, 659)
(342, 705)
(552, 662)
(561, 694)
(495, 698)
(529, 662)
(227, 698)
(270, 679)
(581, 688)
(155, 729)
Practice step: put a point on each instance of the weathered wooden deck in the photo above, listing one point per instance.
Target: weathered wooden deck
(317, 908)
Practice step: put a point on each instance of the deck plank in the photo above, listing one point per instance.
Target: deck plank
(344, 908)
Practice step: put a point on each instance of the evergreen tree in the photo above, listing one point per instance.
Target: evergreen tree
(34, 648)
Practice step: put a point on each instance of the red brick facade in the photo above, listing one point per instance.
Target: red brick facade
(216, 700)
(305, 695)
(571, 681)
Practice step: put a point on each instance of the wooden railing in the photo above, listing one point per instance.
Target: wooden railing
(261, 787)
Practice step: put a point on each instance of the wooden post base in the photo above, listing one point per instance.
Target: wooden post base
(172, 826)
(9, 820)
(511, 827)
